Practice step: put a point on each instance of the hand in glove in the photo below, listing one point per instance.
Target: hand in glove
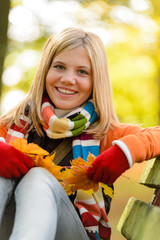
(13, 163)
(108, 166)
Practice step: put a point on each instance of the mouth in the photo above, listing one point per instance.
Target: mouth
(66, 91)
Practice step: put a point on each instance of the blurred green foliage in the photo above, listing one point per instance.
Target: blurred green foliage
(133, 57)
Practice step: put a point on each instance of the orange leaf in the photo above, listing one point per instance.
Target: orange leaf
(24, 146)
(78, 178)
(72, 178)
(40, 157)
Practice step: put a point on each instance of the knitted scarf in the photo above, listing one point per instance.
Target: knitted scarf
(91, 207)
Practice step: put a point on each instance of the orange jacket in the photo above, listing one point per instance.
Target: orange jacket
(3, 131)
(143, 143)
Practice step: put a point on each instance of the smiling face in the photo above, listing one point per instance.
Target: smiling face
(69, 79)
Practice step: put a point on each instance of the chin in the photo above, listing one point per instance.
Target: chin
(66, 108)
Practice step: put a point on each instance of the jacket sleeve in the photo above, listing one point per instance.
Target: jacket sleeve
(142, 143)
(3, 131)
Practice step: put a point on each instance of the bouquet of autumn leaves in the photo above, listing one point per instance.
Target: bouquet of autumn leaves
(72, 177)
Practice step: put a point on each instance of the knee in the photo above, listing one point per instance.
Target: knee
(37, 179)
(37, 174)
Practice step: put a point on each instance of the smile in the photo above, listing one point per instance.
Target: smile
(66, 91)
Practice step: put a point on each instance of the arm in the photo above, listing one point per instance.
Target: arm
(130, 144)
(144, 144)
(3, 132)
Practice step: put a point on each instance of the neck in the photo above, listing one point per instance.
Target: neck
(67, 112)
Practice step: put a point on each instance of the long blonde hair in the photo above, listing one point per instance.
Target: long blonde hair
(102, 95)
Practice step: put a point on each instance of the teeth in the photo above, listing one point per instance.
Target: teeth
(65, 91)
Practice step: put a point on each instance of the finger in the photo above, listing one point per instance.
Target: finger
(22, 168)
(15, 173)
(25, 160)
(18, 167)
(6, 174)
(5, 171)
(105, 178)
(111, 180)
(90, 172)
(97, 175)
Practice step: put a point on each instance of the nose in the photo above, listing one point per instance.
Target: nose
(68, 78)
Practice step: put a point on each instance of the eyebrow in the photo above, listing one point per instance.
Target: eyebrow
(84, 67)
(59, 62)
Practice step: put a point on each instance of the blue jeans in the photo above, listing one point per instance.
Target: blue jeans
(43, 210)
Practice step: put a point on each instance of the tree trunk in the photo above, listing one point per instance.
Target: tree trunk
(4, 11)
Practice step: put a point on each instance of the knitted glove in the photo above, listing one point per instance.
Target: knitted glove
(108, 166)
(13, 163)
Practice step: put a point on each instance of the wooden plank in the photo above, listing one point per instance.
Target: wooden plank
(151, 174)
(156, 198)
(140, 221)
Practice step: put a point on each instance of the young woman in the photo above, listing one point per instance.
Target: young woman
(70, 98)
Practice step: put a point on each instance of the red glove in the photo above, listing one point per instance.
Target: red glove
(108, 166)
(13, 163)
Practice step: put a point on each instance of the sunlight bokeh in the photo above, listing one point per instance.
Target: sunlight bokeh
(28, 21)
(130, 31)
(12, 99)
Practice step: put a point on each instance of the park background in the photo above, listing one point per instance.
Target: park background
(130, 31)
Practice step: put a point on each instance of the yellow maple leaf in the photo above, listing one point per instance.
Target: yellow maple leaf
(72, 178)
(40, 157)
(28, 148)
(107, 189)
(77, 177)
(79, 162)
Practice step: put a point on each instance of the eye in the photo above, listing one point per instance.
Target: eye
(82, 72)
(59, 66)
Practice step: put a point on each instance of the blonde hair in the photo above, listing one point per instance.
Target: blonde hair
(102, 96)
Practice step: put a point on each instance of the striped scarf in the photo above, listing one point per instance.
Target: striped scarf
(91, 207)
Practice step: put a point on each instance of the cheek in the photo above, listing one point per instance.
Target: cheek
(49, 80)
(87, 88)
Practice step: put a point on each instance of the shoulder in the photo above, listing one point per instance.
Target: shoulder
(3, 131)
(121, 130)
